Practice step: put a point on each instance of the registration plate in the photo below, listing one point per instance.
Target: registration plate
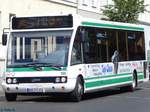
(34, 90)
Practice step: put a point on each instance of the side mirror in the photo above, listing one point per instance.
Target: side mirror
(4, 39)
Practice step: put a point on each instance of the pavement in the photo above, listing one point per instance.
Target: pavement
(145, 85)
(1, 90)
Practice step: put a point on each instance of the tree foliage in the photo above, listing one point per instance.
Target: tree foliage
(124, 10)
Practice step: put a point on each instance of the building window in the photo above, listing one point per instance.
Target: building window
(0, 20)
(85, 2)
(94, 3)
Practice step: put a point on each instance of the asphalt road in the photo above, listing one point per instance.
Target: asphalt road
(104, 101)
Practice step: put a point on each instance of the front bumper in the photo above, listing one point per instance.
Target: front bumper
(40, 87)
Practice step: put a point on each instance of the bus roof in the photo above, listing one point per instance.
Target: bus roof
(110, 24)
(77, 21)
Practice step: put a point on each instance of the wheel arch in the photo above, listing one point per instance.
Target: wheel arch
(82, 79)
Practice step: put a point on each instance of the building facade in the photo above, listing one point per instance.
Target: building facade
(87, 8)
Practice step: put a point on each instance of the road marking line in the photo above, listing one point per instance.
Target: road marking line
(145, 88)
(136, 98)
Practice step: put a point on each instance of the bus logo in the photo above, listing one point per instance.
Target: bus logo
(36, 80)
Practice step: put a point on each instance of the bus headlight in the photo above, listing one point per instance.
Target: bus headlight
(9, 80)
(57, 80)
(14, 81)
(60, 79)
(63, 79)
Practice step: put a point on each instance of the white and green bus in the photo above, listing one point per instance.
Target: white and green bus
(72, 55)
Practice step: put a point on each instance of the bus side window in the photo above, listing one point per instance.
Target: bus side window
(75, 56)
(76, 50)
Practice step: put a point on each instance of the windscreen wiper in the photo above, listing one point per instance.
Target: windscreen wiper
(37, 65)
(16, 66)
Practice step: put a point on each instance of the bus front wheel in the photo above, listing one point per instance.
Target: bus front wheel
(10, 96)
(78, 91)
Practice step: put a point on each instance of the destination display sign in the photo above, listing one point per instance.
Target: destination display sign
(42, 22)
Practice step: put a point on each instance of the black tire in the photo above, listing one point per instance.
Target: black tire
(133, 86)
(134, 82)
(78, 92)
(10, 96)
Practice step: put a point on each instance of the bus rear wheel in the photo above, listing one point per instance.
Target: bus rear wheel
(134, 82)
(10, 96)
(78, 92)
(132, 87)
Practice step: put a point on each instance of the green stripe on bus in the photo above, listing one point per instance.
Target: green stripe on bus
(33, 69)
(20, 69)
(113, 26)
(107, 82)
(140, 76)
(107, 76)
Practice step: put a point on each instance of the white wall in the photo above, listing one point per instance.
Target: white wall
(145, 17)
(33, 7)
